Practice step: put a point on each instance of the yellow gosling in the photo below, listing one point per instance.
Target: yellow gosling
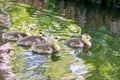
(14, 35)
(78, 42)
(49, 47)
(38, 37)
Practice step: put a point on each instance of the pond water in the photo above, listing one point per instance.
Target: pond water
(100, 62)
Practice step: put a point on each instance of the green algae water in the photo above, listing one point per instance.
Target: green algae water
(100, 62)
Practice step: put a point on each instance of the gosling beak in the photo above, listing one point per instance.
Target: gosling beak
(60, 39)
(80, 35)
(44, 35)
(31, 28)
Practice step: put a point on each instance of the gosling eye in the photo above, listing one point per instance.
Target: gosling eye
(40, 33)
(87, 37)
(56, 38)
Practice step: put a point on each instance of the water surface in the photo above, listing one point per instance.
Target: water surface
(100, 62)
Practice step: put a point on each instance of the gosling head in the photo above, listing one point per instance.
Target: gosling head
(26, 29)
(86, 39)
(55, 38)
(41, 34)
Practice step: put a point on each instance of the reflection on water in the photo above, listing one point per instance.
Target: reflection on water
(100, 62)
(93, 15)
(99, 23)
(5, 54)
(115, 26)
(78, 68)
(31, 66)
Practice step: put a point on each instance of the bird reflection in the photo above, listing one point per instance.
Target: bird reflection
(54, 57)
